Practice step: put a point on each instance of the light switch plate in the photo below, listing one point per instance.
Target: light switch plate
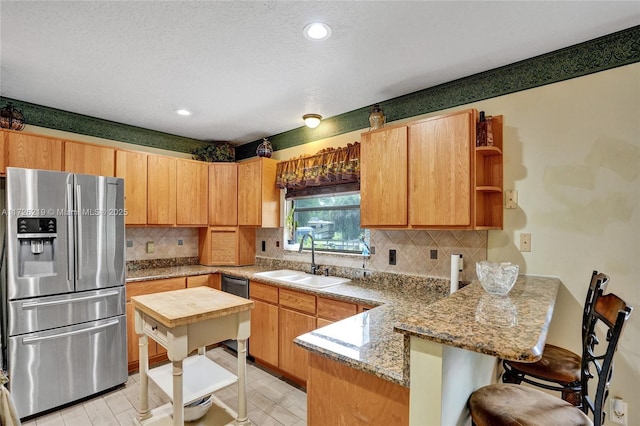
(511, 199)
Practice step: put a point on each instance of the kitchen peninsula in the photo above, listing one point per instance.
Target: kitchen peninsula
(388, 344)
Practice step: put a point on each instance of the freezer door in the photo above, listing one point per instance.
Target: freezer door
(39, 262)
(100, 261)
(45, 313)
(52, 368)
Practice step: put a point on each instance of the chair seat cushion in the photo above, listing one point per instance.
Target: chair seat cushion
(509, 404)
(557, 365)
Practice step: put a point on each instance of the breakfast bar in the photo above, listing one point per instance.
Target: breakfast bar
(183, 321)
(441, 350)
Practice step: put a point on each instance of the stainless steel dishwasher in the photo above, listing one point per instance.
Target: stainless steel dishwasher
(239, 287)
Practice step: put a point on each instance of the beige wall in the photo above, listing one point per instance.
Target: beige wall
(572, 151)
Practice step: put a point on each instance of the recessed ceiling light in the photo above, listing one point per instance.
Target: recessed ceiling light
(183, 112)
(317, 31)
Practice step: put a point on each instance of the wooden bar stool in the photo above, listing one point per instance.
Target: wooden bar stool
(559, 368)
(510, 404)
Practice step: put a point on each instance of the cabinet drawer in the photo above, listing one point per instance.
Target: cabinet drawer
(155, 286)
(197, 281)
(299, 301)
(265, 292)
(335, 309)
(153, 328)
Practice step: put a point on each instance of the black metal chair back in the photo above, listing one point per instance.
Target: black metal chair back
(597, 361)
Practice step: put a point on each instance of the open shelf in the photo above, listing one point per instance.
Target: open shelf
(201, 377)
(489, 181)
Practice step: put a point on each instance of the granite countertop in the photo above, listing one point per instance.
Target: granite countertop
(512, 327)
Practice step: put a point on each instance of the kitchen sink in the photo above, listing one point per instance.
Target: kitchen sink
(303, 279)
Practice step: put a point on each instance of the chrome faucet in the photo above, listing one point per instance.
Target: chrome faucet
(314, 267)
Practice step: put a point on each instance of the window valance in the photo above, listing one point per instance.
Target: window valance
(331, 166)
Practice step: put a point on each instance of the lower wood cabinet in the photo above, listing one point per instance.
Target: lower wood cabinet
(264, 323)
(156, 352)
(282, 314)
(340, 395)
(293, 359)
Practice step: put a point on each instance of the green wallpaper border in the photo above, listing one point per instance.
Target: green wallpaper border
(51, 118)
(600, 54)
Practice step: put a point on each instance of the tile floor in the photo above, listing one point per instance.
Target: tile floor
(271, 401)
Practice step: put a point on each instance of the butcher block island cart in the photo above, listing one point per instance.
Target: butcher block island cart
(183, 321)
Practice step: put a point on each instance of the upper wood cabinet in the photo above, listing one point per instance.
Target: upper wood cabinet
(161, 190)
(223, 194)
(429, 174)
(33, 152)
(89, 159)
(258, 196)
(192, 180)
(440, 170)
(383, 177)
(132, 166)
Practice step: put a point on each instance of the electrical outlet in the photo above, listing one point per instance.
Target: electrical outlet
(392, 257)
(180, 242)
(264, 245)
(151, 247)
(618, 411)
(525, 242)
(510, 199)
(129, 243)
(460, 263)
(372, 250)
(433, 254)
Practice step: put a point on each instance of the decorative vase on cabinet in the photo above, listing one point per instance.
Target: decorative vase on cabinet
(264, 149)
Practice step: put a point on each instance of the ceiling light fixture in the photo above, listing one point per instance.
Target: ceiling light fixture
(184, 112)
(317, 31)
(312, 120)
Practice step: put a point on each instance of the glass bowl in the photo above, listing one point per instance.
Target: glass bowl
(497, 278)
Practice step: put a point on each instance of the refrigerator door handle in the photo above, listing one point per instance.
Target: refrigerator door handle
(30, 305)
(32, 340)
(79, 232)
(70, 233)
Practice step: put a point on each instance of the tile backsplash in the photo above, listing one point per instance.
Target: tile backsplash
(413, 249)
(165, 241)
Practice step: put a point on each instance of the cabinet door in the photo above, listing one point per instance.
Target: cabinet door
(258, 196)
(161, 190)
(132, 166)
(192, 193)
(89, 159)
(249, 193)
(440, 171)
(4, 135)
(264, 332)
(293, 359)
(33, 152)
(223, 194)
(383, 178)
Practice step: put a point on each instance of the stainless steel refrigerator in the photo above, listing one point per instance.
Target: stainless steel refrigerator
(63, 299)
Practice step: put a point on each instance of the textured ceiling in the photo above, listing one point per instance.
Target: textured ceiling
(246, 71)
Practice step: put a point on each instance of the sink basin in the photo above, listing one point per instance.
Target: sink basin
(289, 276)
(280, 273)
(320, 281)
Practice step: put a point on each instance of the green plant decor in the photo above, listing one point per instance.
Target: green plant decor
(215, 152)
